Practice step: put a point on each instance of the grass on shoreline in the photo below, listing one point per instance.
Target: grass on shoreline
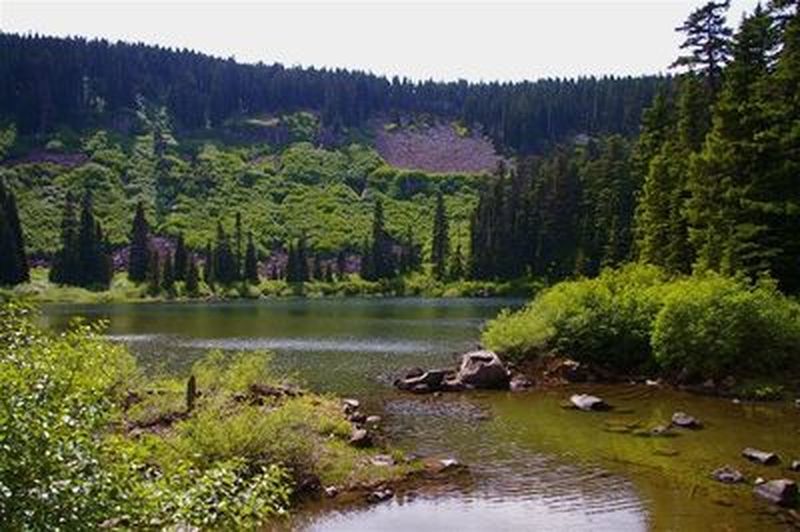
(88, 441)
(41, 290)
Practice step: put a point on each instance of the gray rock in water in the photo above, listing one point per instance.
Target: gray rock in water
(586, 402)
(762, 457)
(782, 492)
(685, 421)
(360, 438)
(727, 475)
(429, 381)
(483, 369)
(380, 495)
(520, 383)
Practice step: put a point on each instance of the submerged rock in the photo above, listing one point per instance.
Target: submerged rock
(761, 457)
(782, 491)
(483, 369)
(685, 421)
(425, 382)
(586, 402)
(727, 475)
(360, 438)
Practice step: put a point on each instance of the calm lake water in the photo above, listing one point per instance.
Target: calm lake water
(534, 465)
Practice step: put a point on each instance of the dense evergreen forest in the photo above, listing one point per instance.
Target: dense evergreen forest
(693, 173)
(47, 83)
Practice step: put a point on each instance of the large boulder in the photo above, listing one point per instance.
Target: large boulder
(483, 369)
(782, 491)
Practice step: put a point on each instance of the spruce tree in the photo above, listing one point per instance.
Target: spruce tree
(180, 259)
(225, 270)
(139, 257)
(208, 266)
(14, 263)
(440, 243)
(708, 41)
(192, 278)
(93, 258)
(239, 259)
(457, 264)
(154, 275)
(251, 261)
(65, 263)
(381, 257)
(168, 276)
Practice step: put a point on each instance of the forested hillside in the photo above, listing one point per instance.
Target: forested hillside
(50, 83)
(693, 173)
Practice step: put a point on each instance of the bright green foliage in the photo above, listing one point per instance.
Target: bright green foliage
(639, 319)
(716, 326)
(58, 393)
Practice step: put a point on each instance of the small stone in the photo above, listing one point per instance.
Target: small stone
(736, 401)
(782, 492)
(795, 465)
(759, 480)
(685, 421)
(587, 402)
(382, 460)
(449, 463)
(350, 405)
(360, 438)
(331, 491)
(373, 420)
(650, 382)
(380, 495)
(357, 417)
(797, 403)
(727, 475)
(762, 457)
(520, 383)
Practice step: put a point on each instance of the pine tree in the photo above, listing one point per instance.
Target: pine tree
(180, 259)
(65, 263)
(139, 258)
(707, 41)
(192, 280)
(297, 265)
(381, 257)
(225, 270)
(239, 259)
(440, 243)
(154, 275)
(208, 266)
(251, 261)
(14, 263)
(168, 276)
(92, 256)
(457, 264)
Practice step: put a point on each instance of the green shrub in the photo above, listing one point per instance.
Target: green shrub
(56, 394)
(636, 318)
(714, 326)
(605, 321)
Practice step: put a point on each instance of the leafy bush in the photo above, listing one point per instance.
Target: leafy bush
(636, 318)
(56, 394)
(715, 326)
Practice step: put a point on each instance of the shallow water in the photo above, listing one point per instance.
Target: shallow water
(534, 465)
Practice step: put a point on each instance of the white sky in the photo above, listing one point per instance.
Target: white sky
(443, 40)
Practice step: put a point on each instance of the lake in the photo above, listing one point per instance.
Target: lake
(533, 464)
